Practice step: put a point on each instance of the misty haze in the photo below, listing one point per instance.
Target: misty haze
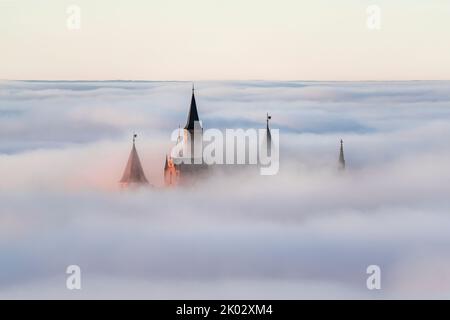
(309, 231)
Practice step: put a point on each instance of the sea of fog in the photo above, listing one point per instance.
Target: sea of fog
(308, 232)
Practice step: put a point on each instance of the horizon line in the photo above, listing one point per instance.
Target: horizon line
(217, 80)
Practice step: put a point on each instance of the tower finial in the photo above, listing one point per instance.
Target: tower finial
(193, 87)
(134, 173)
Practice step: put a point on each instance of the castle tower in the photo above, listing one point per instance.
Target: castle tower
(133, 174)
(341, 157)
(193, 132)
(189, 163)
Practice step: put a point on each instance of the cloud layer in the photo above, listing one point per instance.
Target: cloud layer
(308, 232)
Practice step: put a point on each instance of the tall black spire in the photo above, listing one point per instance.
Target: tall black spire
(193, 113)
(341, 156)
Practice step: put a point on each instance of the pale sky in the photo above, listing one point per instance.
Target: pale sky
(225, 39)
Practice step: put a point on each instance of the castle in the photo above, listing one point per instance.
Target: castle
(188, 166)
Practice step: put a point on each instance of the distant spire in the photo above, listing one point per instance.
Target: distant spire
(268, 134)
(133, 171)
(267, 120)
(193, 113)
(341, 156)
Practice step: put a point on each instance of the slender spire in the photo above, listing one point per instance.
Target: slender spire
(133, 171)
(193, 113)
(269, 134)
(341, 156)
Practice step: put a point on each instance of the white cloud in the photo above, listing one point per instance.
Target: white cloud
(309, 232)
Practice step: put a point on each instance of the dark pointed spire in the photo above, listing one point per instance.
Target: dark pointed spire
(133, 171)
(341, 156)
(193, 113)
(269, 134)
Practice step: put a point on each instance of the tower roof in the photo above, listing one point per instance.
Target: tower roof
(193, 113)
(166, 164)
(133, 171)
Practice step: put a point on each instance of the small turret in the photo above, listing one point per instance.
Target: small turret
(133, 174)
(171, 172)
